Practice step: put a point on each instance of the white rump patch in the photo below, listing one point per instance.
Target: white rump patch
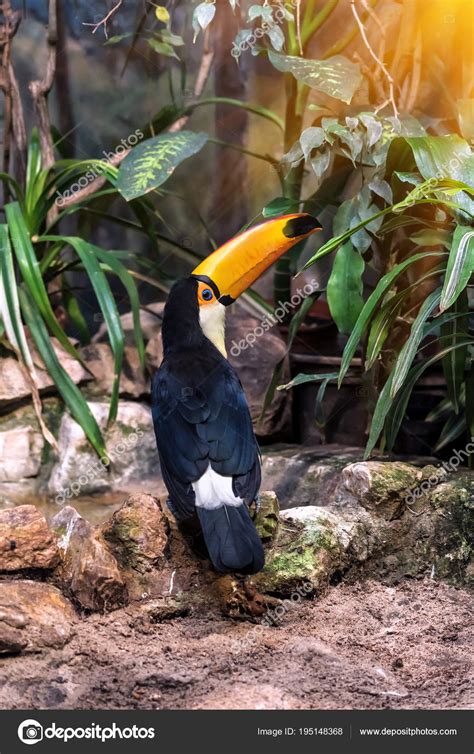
(213, 490)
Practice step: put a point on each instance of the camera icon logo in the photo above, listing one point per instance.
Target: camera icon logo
(30, 732)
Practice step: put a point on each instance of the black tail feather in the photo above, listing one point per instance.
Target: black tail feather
(232, 539)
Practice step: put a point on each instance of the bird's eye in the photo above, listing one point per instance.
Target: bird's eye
(206, 294)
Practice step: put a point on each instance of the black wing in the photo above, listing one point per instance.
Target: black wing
(201, 416)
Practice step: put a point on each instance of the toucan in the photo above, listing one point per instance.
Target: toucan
(208, 451)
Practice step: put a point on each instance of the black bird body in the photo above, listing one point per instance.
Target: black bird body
(202, 422)
(208, 452)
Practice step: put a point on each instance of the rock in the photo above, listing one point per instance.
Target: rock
(21, 445)
(138, 533)
(14, 385)
(305, 476)
(130, 442)
(26, 542)
(88, 569)
(266, 521)
(380, 487)
(150, 321)
(311, 545)
(100, 362)
(33, 616)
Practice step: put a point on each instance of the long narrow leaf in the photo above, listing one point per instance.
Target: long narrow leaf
(460, 265)
(366, 314)
(86, 253)
(70, 393)
(31, 274)
(408, 352)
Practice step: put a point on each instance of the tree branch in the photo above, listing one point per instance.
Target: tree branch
(105, 20)
(381, 65)
(40, 89)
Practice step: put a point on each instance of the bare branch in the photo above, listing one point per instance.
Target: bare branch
(103, 22)
(40, 89)
(381, 65)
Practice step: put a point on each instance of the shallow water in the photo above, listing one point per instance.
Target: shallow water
(94, 508)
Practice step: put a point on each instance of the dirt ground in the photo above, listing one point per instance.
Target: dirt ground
(364, 645)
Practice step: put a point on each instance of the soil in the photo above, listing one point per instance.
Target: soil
(363, 645)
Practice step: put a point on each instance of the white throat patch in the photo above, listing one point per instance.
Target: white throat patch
(212, 321)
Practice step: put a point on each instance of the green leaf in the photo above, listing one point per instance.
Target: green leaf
(31, 274)
(87, 254)
(460, 265)
(445, 156)
(370, 305)
(452, 332)
(302, 379)
(397, 409)
(9, 302)
(336, 76)
(453, 428)
(398, 406)
(410, 347)
(150, 163)
(344, 288)
(69, 391)
(282, 205)
(163, 48)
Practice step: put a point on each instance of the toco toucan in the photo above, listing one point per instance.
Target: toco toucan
(208, 451)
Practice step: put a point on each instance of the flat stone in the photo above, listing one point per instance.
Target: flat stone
(131, 445)
(33, 616)
(14, 385)
(21, 445)
(26, 542)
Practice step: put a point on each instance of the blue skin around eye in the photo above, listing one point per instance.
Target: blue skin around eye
(207, 294)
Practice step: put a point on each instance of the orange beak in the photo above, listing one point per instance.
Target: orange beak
(232, 268)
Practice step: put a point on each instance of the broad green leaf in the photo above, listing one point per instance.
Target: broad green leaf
(454, 362)
(70, 393)
(336, 76)
(432, 237)
(162, 48)
(442, 156)
(311, 138)
(370, 305)
(31, 274)
(410, 347)
(344, 288)
(460, 265)
(150, 163)
(282, 205)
